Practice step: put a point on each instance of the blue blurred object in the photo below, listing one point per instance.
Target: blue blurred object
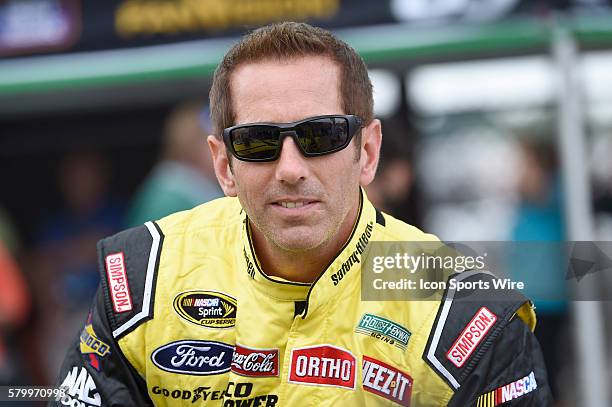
(542, 221)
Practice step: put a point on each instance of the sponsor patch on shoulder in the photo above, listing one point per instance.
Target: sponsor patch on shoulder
(323, 365)
(194, 357)
(386, 381)
(508, 392)
(472, 335)
(89, 342)
(118, 282)
(384, 330)
(209, 309)
(80, 389)
(255, 362)
(91, 345)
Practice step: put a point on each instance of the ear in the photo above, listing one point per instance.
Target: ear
(224, 173)
(371, 139)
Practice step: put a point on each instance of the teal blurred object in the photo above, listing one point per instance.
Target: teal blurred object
(543, 270)
(171, 187)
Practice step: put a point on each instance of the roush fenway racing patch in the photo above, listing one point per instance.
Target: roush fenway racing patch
(323, 365)
(386, 381)
(508, 392)
(118, 282)
(255, 362)
(472, 335)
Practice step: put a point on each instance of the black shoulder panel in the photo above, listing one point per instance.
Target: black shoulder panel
(468, 323)
(512, 372)
(380, 218)
(128, 263)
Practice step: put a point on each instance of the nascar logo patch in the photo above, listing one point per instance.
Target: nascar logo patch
(209, 309)
(508, 392)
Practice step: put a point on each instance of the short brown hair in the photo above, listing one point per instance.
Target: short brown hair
(292, 40)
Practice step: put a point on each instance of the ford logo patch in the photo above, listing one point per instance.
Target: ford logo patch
(194, 357)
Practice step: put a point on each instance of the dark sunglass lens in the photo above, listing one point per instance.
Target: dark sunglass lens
(323, 135)
(255, 142)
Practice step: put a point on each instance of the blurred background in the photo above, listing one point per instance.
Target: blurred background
(497, 122)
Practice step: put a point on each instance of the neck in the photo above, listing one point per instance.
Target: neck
(301, 266)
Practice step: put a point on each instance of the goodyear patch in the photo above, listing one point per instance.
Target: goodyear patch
(384, 329)
(209, 309)
(90, 343)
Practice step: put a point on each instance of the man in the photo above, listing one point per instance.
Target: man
(255, 301)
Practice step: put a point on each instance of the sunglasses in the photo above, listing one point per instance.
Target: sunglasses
(314, 136)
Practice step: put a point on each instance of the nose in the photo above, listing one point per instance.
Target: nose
(291, 166)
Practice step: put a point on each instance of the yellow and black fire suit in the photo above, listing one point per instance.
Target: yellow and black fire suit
(184, 315)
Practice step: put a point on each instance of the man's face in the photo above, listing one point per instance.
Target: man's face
(295, 203)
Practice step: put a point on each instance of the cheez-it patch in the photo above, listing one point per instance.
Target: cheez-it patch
(386, 381)
(118, 282)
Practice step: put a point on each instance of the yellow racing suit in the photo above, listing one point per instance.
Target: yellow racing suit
(185, 315)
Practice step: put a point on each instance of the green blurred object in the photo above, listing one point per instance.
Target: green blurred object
(8, 233)
(377, 44)
(170, 188)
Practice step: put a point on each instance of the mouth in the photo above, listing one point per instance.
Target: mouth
(293, 204)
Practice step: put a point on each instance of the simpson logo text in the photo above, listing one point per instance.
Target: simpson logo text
(472, 335)
(118, 282)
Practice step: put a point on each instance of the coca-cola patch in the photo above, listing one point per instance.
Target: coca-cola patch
(255, 362)
(194, 357)
(323, 365)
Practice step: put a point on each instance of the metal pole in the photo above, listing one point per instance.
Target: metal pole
(587, 315)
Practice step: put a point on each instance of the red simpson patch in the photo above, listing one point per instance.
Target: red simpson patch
(255, 362)
(471, 336)
(386, 381)
(118, 282)
(324, 365)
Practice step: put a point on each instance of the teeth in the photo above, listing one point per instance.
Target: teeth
(292, 204)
